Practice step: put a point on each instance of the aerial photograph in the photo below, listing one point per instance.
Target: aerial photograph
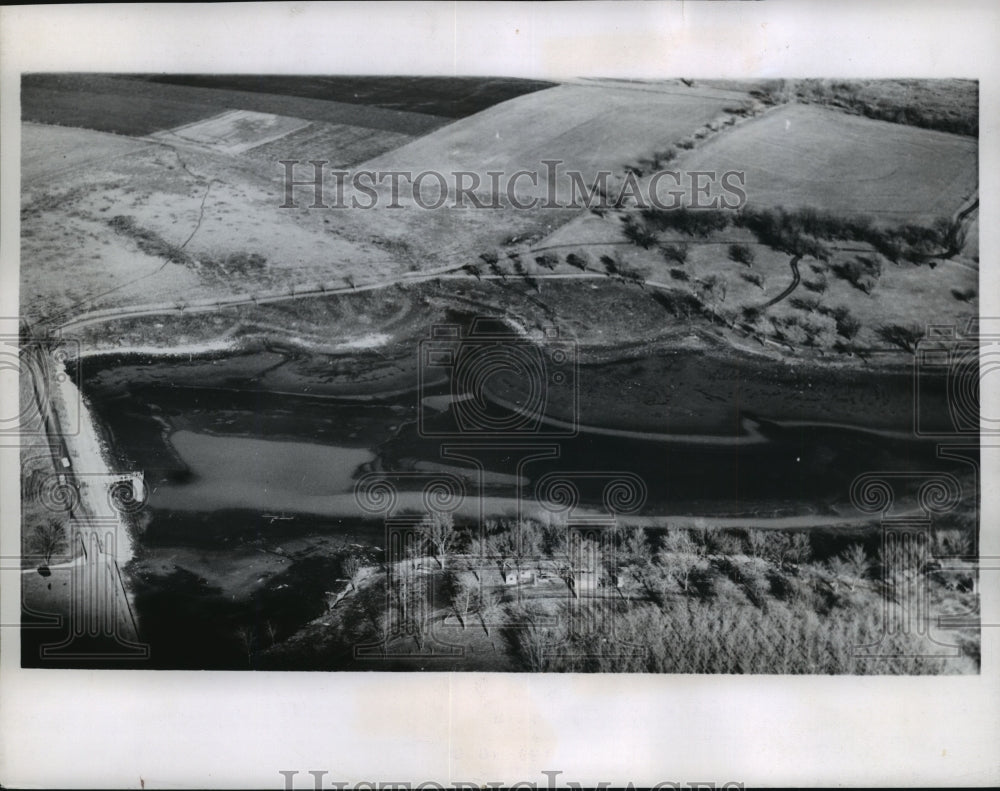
(423, 373)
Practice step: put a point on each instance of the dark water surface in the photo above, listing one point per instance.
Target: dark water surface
(205, 447)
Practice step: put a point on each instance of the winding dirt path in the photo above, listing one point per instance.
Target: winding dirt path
(796, 279)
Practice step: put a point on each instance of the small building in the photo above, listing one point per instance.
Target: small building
(513, 577)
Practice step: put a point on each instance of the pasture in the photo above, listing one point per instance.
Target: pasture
(160, 225)
(590, 128)
(801, 155)
(48, 151)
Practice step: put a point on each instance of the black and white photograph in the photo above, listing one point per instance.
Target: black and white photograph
(635, 372)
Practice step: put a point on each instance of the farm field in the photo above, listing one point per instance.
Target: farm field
(446, 97)
(800, 155)
(233, 132)
(589, 128)
(341, 145)
(138, 107)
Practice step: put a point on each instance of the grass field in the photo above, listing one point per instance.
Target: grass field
(154, 225)
(589, 128)
(47, 151)
(810, 156)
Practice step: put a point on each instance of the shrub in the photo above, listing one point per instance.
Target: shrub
(821, 331)
(754, 278)
(148, 241)
(679, 274)
(725, 543)
(681, 304)
(661, 158)
(817, 286)
(741, 254)
(808, 304)
(692, 222)
(676, 253)
(639, 235)
(862, 272)
(905, 337)
(847, 324)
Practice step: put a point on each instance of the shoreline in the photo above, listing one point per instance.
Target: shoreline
(93, 458)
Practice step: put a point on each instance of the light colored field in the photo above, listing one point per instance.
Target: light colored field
(589, 128)
(48, 151)
(213, 205)
(801, 155)
(232, 132)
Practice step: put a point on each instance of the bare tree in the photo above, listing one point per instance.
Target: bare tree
(247, 639)
(799, 549)
(713, 291)
(502, 546)
(635, 547)
(527, 544)
(536, 644)
(351, 568)
(48, 538)
(679, 567)
(856, 561)
(491, 602)
(439, 532)
(850, 566)
(757, 540)
(464, 598)
(272, 632)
